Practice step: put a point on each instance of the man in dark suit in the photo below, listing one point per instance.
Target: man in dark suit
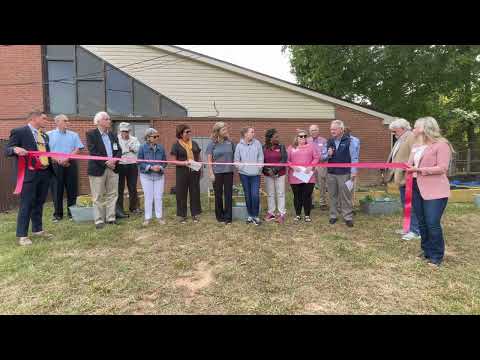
(36, 183)
(103, 175)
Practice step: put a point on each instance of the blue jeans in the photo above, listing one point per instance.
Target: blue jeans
(429, 213)
(251, 189)
(413, 217)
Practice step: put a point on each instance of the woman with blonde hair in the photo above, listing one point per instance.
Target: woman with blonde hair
(429, 162)
(221, 149)
(302, 152)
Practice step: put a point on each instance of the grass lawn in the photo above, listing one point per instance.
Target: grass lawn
(208, 268)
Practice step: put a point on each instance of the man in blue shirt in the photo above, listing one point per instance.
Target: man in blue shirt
(341, 149)
(66, 170)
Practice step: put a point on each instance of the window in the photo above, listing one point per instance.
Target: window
(146, 102)
(169, 108)
(119, 92)
(82, 83)
(88, 66)
(91, 97)
(61, 87)
(65, 52)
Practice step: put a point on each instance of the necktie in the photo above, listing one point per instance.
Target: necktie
(41, 147)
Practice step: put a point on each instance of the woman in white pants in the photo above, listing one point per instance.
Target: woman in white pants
(274, 152)
(152, 175)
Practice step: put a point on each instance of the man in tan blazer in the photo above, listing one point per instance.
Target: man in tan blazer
(400, 153)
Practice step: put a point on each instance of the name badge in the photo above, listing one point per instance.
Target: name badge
(115, 146)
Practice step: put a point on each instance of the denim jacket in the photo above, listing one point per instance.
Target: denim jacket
(147, 153)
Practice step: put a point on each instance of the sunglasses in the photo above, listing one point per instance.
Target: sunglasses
(302, 136)
(155, 136)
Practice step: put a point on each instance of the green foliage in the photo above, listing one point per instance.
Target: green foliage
(367, 199)
(408, 81)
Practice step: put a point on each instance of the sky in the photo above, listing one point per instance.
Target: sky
(266, 59)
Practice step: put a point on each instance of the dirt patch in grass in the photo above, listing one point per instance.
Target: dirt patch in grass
(201, 278)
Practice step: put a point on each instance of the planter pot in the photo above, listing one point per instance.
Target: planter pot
(82, 214)
(477, 200)
(379, 207)
(241, 213)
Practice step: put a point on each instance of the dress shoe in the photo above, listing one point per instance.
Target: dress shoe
(121, 215)
(99, 226)
(349, 223)
(332, 221)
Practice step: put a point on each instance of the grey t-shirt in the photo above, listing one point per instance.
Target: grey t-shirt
(221, 152)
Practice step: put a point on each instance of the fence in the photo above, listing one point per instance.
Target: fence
(466, 160)
(8, 201)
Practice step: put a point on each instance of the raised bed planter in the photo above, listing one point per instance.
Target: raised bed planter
(82, 214)
(476, 198)
(239, 212)
(385, 206)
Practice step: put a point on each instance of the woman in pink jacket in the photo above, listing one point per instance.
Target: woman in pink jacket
(302, 153)
(429, 162)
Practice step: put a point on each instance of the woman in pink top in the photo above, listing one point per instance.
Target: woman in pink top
(429, 162)
(302, 153)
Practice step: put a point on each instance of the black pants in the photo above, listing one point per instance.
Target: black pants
(33, 196)
(188, 182)
(223, 185)
(302, 197)
(128, 172)
(65, 177)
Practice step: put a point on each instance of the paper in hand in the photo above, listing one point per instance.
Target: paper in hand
(349, 185)
(302, 176)
(195, 166)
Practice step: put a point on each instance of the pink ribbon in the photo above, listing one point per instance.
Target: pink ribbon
(23, 161)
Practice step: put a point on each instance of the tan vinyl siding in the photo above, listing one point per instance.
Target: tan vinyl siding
(197, 85)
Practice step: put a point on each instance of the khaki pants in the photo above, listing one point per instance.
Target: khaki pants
(104, 195)
(321, 178)
(275, 186)
(339, 193)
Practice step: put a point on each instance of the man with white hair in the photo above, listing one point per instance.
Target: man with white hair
(66, 170)
(320, 144)
(340, 151)
(401, 129)
(103, 175)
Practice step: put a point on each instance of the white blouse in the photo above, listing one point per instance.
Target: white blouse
(418, 152)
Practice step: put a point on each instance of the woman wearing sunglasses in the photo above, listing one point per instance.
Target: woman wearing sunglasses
(187, 180)
(152, 175)
(302, 153)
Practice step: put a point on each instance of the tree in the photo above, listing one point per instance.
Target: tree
(408, 81)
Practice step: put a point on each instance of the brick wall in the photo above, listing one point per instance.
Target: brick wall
(374, 137)
(20, 64)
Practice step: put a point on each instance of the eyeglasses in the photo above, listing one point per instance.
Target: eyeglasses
(302, 136)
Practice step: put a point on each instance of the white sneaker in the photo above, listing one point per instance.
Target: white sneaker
(411, 236)
(161, 221)
(146, 223)
(23, 241)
